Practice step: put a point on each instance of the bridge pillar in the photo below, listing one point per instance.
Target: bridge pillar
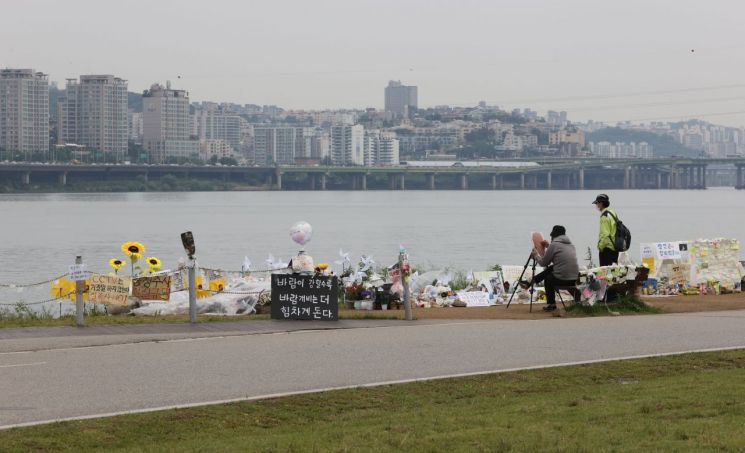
(431, 181)
(146, 176)
(391, 181)
(494, 181)
(464, 181)
(312, 181)
(535, 181)
(26, 177)
(548, 180)
(703, 176)
(279, 180)
(63, 178)
(627, 178)
(671, 178)
(323, 182)
(501, 181)
(739, 177)
(403, 181)
(363, 181)
(522, 181)
(659, 179)
(581, 182)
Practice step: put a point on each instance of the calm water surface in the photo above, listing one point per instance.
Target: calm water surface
(42, 233)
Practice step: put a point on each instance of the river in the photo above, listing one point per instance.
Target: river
(466, 230)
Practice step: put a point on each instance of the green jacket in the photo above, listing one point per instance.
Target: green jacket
(607, 237)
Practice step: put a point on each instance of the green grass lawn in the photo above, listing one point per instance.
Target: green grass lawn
(692, 402)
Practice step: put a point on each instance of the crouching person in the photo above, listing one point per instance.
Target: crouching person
(560, 263)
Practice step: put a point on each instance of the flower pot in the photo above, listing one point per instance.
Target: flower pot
(358, 305)
(366, 305)
(384, 306)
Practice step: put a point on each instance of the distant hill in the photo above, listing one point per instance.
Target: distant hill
(135, 101)
(663, 145)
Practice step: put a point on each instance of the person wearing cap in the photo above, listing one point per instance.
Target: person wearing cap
(608, 254)
(560, 261)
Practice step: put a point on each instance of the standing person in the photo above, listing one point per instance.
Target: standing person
(607, 237)
(560, 261)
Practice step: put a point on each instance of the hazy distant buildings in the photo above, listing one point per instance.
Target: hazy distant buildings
(167, 128)
(216, 123)
(622, 150)
(380, 149)
(284, 144)
(24, 113)
(93, 113)
(135, 126)
(400, 100)
(348, 145)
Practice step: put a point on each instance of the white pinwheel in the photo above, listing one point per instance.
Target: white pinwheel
(366, 263)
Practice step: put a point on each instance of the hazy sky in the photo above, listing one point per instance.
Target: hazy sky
(576, 55)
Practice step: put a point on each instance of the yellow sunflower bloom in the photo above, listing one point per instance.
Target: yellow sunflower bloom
(217, 285)
(154, 263)
(133, 249)
(116, 263)
(201, 292)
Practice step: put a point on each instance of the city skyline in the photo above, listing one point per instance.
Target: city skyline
(604, 62)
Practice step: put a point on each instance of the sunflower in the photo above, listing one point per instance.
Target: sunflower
(116, 263)
(154, 263)
(201, 292)
(217, 285)
(323, 266)
(133, 249)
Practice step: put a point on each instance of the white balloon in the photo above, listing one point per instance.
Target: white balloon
(301, 232)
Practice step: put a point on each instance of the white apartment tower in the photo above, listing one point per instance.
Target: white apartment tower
(214, 123)
(24, 113)
(381, 150)
(166, 125)
(281, 145)
(348, 145)
(93, 113)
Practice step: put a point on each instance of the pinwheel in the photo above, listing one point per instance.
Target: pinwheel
(246, 266)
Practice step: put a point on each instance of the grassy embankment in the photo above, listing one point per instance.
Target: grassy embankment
(691, 402)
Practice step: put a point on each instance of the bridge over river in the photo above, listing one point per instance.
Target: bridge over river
(551, 174)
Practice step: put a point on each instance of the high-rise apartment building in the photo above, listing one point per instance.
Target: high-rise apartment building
(281, 145)
(381, 149)
(348, 145)
(166, 124)
(215, 123)
(400, 99)
(93, 113)
(24, 113)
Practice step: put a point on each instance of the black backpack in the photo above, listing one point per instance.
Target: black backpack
(622, 240)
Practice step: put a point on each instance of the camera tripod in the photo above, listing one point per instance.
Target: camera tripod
(530, 259)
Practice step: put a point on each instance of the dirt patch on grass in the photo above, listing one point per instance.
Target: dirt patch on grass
(692, 304)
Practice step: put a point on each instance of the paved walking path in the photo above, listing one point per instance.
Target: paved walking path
(205, 365)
